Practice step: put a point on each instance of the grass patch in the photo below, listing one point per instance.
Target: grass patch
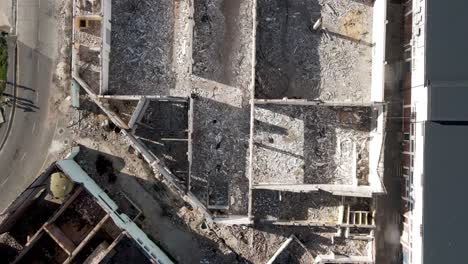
(3, 63)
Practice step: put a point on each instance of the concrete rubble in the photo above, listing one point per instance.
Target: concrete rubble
(310, 144)
(142, 48)
(334, 63)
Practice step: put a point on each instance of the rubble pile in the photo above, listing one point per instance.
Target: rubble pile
(296, 61)
(87, 208)
(310, 144)
(142, 47)
(88, 7)
(9, 247)
(221, 136)
(91, 36)
(222, 41)
(287, 206)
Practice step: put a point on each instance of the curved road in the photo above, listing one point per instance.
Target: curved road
(25, 151)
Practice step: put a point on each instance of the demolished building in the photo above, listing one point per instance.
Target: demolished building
(242, 124)
(79, 225)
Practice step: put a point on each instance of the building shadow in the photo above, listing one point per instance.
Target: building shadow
(164, 130)
(24, 104)
(219, 51)
(22, 86)
(221, 135)
(288, 63)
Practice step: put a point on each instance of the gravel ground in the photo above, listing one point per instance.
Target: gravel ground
(295, 61)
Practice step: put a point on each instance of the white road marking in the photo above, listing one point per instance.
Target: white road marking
(24, 156)
(34, 127)
(37, 97)
(3, 183)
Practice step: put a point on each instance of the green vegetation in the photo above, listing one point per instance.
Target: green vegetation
(3, 63)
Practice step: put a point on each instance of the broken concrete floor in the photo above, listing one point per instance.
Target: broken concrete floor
(142, 47)
(295, 61)
(308, 144)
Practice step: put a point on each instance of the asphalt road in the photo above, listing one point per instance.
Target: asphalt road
(25, 152)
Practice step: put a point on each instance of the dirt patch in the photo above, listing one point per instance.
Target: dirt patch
(352, 24)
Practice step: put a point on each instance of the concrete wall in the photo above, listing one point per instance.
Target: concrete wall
(379, 26)
(377, 93)
(106, 45)
(376, 145)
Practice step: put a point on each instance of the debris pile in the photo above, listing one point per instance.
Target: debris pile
(222, 41)
(332, 63)
(316, 207)
(142, 39)
(88, 7)
(9, 247)
(221, 141)
(310, 144)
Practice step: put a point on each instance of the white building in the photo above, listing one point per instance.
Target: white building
(435, 122)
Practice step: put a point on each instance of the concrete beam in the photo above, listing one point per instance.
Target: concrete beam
(233, 220)
(324, 259)
(88, 17)
(137, 114)
(376, 147)
(190, 143)
(304, 102)
(314, 224)
(87, 239)
(280, 250)
(285, 244)
(149, 97)
(4, 23)
(111, 114)
(338, 190)
(106, 28)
